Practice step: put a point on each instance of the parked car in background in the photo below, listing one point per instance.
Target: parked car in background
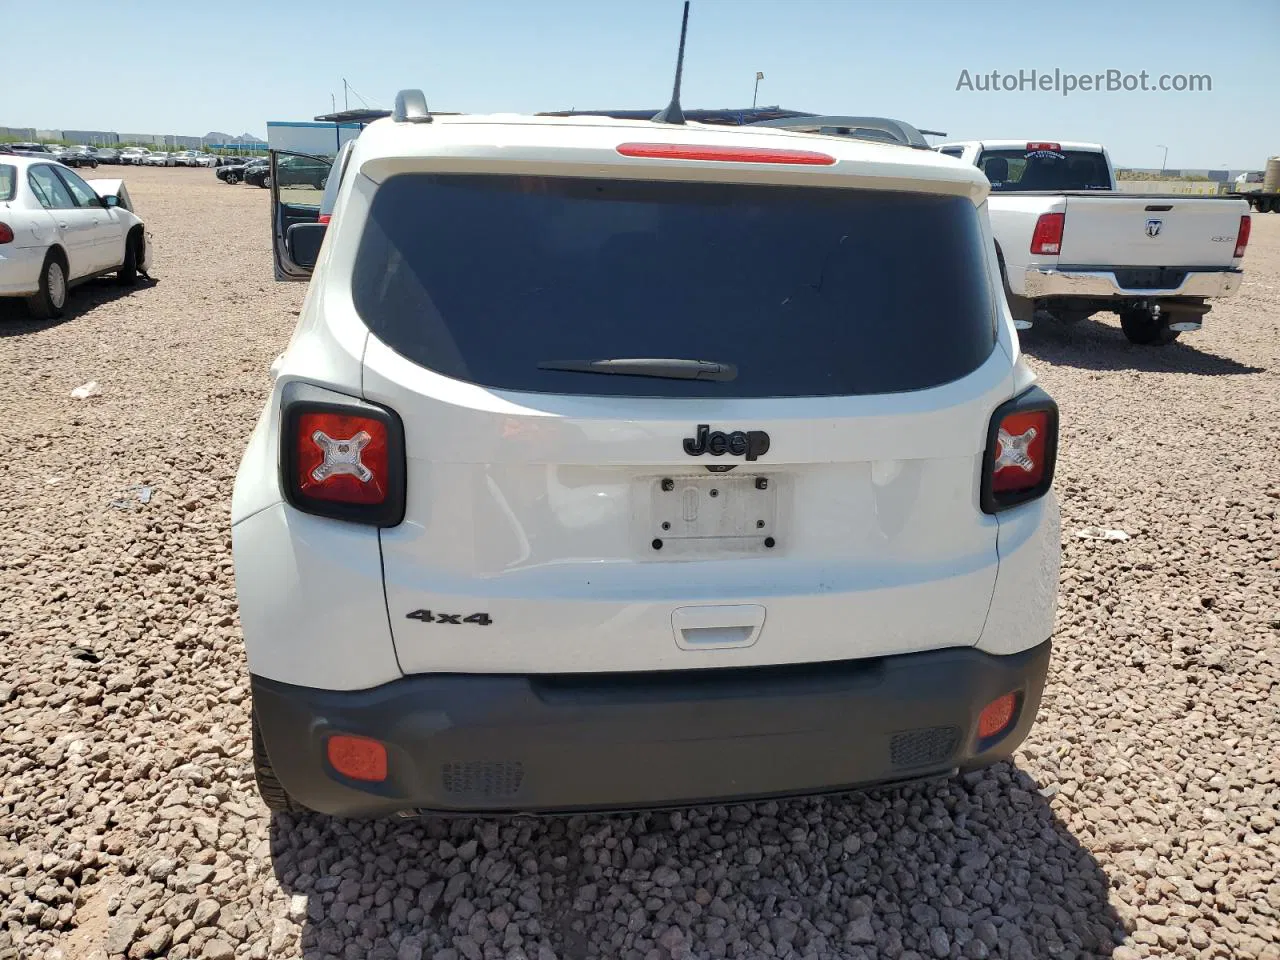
(186, 158)
(235, 173)
(134, 156)
(160, 159)
(57, 230)
(78, 157)
(1070, 245)
(108, 155)
(300, 170)
(26, 147)
(207, 160)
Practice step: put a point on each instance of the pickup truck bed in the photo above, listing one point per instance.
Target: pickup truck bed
(1065, 254)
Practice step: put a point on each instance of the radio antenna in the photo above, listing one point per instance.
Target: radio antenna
(673, 113)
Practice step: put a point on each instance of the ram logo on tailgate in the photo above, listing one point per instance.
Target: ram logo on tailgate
(1153, 227)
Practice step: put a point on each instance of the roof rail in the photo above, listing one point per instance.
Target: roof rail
(879, 129)
(411, 107)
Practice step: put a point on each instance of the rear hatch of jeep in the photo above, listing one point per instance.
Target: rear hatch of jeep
(665, 407)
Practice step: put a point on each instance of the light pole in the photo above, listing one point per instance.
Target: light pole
(759, 77)
(1164, 163)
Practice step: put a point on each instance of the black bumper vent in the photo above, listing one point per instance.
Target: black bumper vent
(925, 747)
(482, 779)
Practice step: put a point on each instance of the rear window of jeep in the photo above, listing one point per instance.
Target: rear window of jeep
(806, 291)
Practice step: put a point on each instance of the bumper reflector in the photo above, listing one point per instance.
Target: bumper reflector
(358, 757)
(997, 715)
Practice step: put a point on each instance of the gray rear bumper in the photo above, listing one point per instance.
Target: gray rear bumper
(589, 742)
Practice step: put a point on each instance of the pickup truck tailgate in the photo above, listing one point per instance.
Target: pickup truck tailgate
(1149, 231)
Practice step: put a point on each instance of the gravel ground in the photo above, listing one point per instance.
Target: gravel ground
(1140, 818)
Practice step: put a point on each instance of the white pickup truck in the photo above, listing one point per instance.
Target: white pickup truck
(1070, 245)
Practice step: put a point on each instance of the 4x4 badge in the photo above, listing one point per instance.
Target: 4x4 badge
(750, 443)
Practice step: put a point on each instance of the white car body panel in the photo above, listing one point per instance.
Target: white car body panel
(538, 509)
(1107, 230)
(92, 238)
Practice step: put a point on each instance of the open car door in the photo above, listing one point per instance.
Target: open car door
(298, 182)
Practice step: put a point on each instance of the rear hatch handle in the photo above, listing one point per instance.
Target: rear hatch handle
(718, 626)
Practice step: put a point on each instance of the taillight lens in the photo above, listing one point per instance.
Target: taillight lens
(342, 460)
(325, 218)
(1242, 238)
(1022, 451)
(6, 234)
(1046, 239)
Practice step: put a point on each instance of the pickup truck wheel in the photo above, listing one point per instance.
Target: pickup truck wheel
(273, 794)
(1143, 328)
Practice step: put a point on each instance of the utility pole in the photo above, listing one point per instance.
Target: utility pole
(345, 104)
(1164, 163)
(333, 102)
(759, 77)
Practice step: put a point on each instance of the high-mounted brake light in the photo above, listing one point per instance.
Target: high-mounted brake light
(1046, 238)
(1044, 145)
(342, 460)
(1242, 238)
(685, 151)
(1022, 451)
(6, 234)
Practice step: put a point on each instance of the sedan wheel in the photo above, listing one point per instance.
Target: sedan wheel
(51, 298)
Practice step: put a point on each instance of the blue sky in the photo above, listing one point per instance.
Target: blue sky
(187, 68)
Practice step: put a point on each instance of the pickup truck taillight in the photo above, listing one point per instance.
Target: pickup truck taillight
(1242, 238)
(343, 461)
(1046, 238)
(1022, 451)
(6, 234)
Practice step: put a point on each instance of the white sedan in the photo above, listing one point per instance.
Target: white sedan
(57, 230)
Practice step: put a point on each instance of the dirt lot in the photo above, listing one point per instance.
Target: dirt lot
(1139, 820)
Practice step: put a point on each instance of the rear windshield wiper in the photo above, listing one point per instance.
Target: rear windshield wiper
(667, 369)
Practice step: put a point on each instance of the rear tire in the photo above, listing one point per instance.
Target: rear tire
(127, 275)
(273, 793)
(232, 178)
(51, 300)
(1142, 328)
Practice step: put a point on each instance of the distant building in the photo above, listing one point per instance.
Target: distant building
(18, 133)
(92, 138)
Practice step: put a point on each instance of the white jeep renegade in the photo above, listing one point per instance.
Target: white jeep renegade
(617, 464)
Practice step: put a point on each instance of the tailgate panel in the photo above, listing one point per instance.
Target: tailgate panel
(1118, 230)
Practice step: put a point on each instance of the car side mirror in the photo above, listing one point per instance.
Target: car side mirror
(302, 241)
(111, 201)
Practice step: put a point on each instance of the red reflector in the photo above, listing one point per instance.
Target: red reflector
(6, 234)
(358, 757)
(1242, 238)
(1044, 145)
(342, 458)
(1046, 239)
(685, 151)
(997, 715)
(1020, 452)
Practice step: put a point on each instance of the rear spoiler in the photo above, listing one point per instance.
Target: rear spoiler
(878, 129)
